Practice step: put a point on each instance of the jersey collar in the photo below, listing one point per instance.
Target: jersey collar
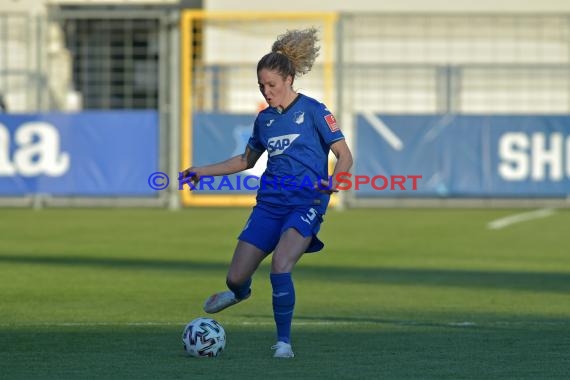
(283, 111)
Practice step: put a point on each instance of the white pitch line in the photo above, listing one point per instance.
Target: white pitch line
(518, 218)
(299, 323)
(137, 324)
(383, 130)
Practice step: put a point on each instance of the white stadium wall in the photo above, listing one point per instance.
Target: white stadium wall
(407, 6)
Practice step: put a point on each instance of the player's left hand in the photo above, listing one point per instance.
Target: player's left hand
(326, 187)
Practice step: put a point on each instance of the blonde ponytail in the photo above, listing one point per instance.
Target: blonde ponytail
(293, 53)
(300, 46)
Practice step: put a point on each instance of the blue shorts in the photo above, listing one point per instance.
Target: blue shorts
(267, 223)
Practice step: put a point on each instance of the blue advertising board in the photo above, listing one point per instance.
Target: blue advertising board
(421, 155)
(465, 156)
(83, 154)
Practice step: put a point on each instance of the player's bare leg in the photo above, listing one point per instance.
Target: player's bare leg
(245, 261)
(289, 250)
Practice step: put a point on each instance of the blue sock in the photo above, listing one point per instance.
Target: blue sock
(283, 304)
(243, 290)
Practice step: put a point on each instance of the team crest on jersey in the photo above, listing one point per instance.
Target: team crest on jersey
(331, 122)
(279, 144)
(299, 117)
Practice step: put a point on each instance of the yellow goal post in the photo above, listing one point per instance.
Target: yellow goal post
(219, 54)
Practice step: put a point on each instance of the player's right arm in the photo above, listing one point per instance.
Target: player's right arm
(236, 164)
(253, 150)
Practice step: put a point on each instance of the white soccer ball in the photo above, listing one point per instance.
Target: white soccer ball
(204, 337)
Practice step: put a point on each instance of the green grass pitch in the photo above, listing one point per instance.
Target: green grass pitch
(397, 294)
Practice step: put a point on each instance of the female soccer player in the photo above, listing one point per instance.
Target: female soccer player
(297, 132)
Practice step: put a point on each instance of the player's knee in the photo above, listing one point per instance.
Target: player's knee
(281, 266)
(233, 282)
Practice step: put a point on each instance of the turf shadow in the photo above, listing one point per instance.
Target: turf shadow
(557, 282)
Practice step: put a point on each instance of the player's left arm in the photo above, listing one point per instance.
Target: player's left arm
(344, 160)
(328, 129)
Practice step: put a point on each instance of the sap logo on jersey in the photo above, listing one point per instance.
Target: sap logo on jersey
(278, 145)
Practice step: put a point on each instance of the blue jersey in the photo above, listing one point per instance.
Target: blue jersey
(298, 142)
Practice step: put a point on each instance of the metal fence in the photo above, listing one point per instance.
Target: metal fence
(118, 56)
(112, 59)
(94, 58)
(21, 75)
(455, 63)
(452, 64)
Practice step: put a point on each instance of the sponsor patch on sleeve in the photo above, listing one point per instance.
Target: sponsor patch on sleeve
(331, 122)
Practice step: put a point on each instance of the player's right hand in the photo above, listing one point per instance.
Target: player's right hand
(192, 174)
